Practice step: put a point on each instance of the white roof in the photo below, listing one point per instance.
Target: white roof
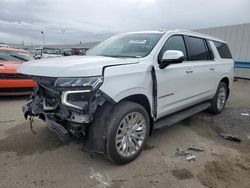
(181, 31)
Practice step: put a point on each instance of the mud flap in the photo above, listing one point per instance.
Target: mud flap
(95, 139)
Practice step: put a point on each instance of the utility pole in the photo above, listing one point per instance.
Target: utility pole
(43, 37)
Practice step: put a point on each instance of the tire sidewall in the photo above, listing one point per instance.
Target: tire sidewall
(214, 108)
(119, 112)
(222, 84)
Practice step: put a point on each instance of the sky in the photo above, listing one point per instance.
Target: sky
(75, 21)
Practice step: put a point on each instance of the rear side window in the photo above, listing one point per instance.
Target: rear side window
(175, 42)
(198, 49)
(223, 50)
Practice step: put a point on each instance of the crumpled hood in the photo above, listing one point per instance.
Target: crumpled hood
(72, 66)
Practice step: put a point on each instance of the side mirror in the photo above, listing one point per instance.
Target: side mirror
(171, 57)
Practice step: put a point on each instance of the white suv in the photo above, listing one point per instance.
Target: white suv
(129, 85)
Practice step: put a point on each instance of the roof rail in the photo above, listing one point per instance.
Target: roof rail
(198, 33)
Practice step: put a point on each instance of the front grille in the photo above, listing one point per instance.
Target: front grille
(21, 89)
(15, 76)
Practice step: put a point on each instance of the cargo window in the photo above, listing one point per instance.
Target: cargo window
(198, 50)
(223, 50)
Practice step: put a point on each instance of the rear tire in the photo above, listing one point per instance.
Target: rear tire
(219, 100)
(127, 132)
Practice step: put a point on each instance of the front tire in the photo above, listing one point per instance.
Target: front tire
(127, 132)
(219, 100)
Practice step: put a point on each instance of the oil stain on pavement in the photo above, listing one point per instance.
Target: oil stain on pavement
(22, 141)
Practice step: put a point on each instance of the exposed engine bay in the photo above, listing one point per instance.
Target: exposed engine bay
(65, 109)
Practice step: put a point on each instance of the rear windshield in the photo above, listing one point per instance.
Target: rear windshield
(7, 55)
(223, 50)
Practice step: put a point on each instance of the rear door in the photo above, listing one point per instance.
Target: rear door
(188, 83)
(203, 67)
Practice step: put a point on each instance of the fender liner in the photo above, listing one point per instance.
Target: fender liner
(95, 139)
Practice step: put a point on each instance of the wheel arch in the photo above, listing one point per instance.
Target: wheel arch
(143, 101)
(226, 80)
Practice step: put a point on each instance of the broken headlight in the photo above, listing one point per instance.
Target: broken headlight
(77, 92)
(87, 82)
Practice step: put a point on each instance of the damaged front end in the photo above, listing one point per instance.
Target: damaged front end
(67, 105)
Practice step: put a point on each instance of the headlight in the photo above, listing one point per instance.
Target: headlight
(89, 82)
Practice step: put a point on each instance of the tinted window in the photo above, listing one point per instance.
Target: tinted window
(174, 43)
(198, 49)
(223, 50)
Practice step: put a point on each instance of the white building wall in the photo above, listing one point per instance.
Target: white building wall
(237, 37)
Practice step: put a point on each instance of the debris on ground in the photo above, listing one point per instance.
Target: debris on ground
(181, 152)
(230, 137)
(195, 149)
(244, 114)
(7, 121)
(188, 156)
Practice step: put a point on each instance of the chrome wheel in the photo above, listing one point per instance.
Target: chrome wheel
(130, 134)
(221, 98)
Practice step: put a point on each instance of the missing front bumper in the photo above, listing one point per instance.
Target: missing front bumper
(48, 104)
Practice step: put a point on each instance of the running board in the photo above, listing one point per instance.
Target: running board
(179, 116)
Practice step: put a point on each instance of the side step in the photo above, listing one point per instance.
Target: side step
(179, 116)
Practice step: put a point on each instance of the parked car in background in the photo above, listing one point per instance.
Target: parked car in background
(74, 51)
(67, 52)
(45, 52)
(4, 45)
(11, 82)
(128, 85)
(79, 51)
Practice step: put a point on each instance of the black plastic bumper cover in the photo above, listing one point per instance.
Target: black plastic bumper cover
(61, 132)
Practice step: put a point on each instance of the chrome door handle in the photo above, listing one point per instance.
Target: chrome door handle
(211, 68)
(189, 71)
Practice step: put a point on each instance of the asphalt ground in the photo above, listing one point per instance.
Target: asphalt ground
(42, 160)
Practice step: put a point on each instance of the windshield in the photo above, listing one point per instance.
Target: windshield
(127, 45)
(7, 55)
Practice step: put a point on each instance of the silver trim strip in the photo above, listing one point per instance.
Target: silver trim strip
(165, 95)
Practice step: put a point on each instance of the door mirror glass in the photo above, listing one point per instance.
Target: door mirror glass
(171, 57)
